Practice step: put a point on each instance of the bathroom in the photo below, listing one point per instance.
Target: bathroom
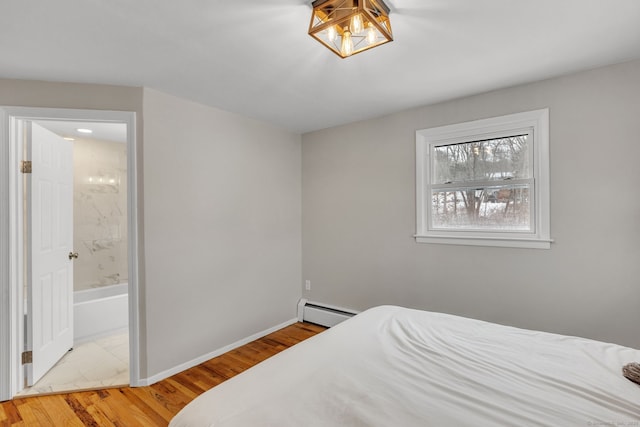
(100, 354)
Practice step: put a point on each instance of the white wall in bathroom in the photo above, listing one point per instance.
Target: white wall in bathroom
(100, 213)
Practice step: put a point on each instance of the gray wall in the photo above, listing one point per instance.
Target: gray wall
(359, 215)
(219, 210)
(222, 228)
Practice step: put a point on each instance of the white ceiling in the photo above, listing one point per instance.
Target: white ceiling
(255, 58)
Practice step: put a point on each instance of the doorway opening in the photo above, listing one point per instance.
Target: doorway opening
(99, 245)
(99, 356)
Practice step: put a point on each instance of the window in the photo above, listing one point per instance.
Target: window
(485, 182)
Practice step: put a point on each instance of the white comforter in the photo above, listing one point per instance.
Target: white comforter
(391, 366)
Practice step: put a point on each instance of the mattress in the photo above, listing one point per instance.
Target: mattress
(393, 366)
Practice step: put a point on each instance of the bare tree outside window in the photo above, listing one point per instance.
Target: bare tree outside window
(482, 184)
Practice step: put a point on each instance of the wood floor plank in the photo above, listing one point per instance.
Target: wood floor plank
(64, 415)
(154, 417)
(154, 405)
(149, 396)
(218, 369)
(198, 379)
(187, 385)
(10, 414)
(82, 410)
(133, 416)
(33, 413)
(184, 391)
(170, 396)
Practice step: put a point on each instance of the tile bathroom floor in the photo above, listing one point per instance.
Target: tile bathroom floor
(103, 362)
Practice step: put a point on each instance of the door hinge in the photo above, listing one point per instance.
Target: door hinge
(25, 166)
(27, 357)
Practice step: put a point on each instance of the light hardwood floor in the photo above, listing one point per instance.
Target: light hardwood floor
(148, 406)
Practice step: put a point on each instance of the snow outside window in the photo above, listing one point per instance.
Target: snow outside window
(485, 182)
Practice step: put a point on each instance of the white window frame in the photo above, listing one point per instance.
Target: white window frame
(536, 124)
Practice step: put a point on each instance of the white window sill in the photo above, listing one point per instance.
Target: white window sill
(505, 242)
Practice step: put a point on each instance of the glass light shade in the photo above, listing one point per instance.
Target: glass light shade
(332, 34)
(348, 27)
(346, 48)
(371, 34)
(356, 24)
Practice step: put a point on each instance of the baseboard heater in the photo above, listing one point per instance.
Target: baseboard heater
(322, 314)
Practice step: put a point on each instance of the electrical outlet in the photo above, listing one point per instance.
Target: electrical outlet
(307, 285)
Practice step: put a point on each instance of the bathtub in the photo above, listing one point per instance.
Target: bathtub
(100, 311)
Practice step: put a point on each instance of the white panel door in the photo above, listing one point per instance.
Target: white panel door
(50, 269)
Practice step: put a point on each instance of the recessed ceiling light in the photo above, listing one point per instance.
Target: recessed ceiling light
(81, 130)
(69, 138)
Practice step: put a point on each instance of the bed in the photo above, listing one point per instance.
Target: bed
(393, 366)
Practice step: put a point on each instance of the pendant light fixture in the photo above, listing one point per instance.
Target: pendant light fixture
(348, 27)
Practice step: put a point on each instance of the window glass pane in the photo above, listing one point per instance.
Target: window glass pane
(504, 208)
(488, 160)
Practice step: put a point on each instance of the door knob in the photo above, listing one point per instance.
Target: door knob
(73, 255)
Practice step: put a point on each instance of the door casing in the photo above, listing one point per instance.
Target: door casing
(12, 245)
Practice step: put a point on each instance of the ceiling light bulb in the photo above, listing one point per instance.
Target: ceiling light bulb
(332, 34)
(356, 24)
(84, 130)
(69, 138)
(347, 44)
(371, 34)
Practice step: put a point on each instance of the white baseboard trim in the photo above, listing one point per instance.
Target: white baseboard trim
(198, 360)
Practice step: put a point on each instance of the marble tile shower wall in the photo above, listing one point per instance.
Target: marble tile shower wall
(100, 213)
